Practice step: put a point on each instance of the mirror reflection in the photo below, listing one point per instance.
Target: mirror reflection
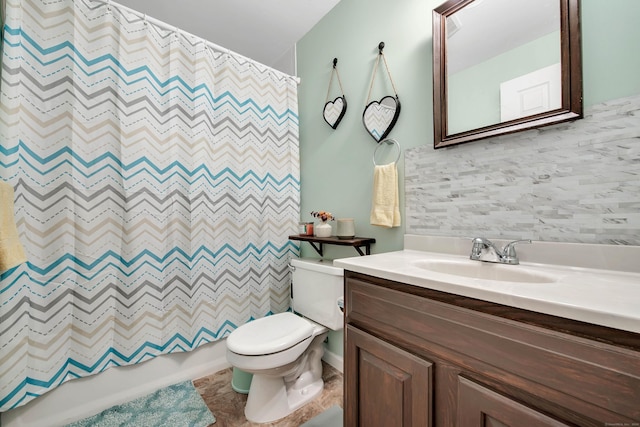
(379, 117)
(333, 111)
(492, 78)
(501, 66)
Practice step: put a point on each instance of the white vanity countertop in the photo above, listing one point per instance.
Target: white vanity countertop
(599, 296)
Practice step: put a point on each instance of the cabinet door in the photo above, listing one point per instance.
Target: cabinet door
(480, 407)
(384, 385)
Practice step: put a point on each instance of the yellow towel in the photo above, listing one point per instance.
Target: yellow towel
(385, 209)
(11, 251)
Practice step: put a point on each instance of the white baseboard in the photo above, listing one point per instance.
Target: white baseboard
(334, 360)
(83, 397)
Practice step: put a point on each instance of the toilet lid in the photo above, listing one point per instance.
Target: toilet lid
(269, 334)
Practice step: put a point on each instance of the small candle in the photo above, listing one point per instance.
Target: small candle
(305, 228)
(346, 228)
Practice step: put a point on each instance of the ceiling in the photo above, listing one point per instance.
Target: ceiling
(263, 30)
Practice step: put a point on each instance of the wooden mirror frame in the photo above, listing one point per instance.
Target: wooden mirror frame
(571, 64)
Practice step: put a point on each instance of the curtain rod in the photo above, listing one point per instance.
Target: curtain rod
(165, 26)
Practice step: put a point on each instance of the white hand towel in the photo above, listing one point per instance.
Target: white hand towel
(11, 251)
(385, 209)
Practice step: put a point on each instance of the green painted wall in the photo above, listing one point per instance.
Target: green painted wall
(336, 165)
(610, 46)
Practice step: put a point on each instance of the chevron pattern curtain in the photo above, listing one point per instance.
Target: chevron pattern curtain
(156, 181)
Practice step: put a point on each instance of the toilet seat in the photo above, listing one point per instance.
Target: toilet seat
(270, 334)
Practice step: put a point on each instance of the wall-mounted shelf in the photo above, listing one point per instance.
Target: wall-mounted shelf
(356, 242)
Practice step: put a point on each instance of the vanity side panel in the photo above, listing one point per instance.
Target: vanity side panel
(579, 380)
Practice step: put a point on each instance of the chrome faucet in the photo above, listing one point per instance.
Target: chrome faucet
(485, 250)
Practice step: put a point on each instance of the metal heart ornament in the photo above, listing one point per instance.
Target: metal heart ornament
(334, 111)
(379, 117)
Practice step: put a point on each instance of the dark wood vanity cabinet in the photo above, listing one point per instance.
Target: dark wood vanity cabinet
(418, 357)
(393, 387)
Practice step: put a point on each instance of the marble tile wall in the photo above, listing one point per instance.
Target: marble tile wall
(573, 182)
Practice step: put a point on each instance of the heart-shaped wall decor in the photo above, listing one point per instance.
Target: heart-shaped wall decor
(379, 117)
(334, 111)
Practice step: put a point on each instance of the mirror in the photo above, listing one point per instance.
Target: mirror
(379, 117)
(334, 111)
(501, 66)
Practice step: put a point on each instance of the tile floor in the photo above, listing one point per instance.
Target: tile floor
(228, 406)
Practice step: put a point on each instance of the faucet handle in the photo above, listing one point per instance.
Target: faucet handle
(509, 251)
(479, 243)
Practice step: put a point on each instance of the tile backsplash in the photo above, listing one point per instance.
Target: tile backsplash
(572, 182)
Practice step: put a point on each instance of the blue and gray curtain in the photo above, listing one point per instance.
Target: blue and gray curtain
(156, 181)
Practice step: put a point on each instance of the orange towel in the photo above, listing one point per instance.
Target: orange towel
(11, 251)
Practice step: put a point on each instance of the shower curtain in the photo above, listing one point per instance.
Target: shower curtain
(156, 181)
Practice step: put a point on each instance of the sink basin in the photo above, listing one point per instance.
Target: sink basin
(485, 271)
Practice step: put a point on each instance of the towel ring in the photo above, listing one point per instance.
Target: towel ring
(388, 141)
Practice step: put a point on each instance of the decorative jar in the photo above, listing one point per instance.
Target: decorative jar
(346, 228)
(323, 229)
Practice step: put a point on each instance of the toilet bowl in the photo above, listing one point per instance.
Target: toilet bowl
(284, 351)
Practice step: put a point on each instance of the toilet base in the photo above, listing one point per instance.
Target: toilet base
(274, 397)
(274, 401)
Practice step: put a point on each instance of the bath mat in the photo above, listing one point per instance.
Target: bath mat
(176, 405)
(331, 417)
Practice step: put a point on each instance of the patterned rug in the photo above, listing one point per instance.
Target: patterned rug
(176, 406)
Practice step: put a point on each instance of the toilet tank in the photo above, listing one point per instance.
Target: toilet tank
(316, 287)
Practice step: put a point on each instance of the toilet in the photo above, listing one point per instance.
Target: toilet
(284, 351)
